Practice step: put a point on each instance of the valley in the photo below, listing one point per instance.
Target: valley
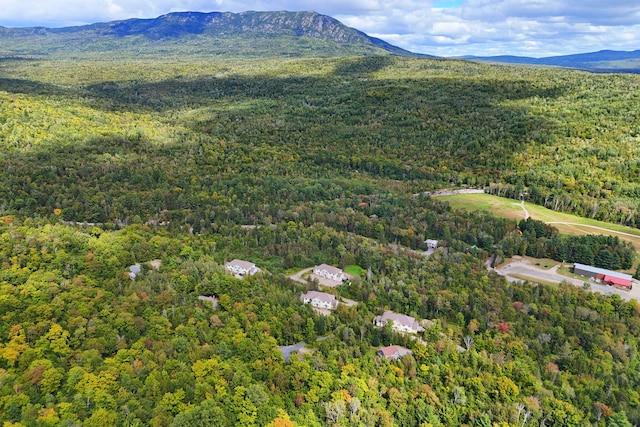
(290, 153)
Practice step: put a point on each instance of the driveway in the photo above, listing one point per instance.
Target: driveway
(348, 302)
(288, 349)
(323, 281)
(298, 276)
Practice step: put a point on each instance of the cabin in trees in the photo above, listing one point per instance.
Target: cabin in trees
(330, 272)
(399, 322)
(602, 275)
(320, 300)
(242, 268)
(393, 352)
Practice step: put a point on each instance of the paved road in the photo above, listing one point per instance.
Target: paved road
(323, 281)
(299, 347)
(524, 268)
(288, 349)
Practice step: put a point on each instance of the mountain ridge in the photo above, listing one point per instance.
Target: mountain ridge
(198, 29)
(600, 61)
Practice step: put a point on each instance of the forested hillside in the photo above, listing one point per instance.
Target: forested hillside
(289, 164)
(124, 141)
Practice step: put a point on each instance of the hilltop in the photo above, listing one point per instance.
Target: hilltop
(216, 33)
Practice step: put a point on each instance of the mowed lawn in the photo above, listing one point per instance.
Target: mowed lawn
(565, 223)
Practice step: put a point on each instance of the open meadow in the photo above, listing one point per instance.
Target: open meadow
(565, 223)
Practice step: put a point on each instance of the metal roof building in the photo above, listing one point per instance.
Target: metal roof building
(607, 276)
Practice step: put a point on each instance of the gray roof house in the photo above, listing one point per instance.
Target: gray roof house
(242, 268)
(330, 272)
(399, 322)
(320, 300)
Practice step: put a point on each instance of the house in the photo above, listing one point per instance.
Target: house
(242, 268)
(399, 322)
(393, 352)
(330, 272)
(320, 300)
(603, 275)
(431, 244)
(134, 270)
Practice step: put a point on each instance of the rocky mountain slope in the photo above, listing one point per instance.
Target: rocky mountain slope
(246, 33)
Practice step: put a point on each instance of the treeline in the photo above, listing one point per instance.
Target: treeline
(539, 240)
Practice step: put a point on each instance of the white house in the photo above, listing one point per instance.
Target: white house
(393, 352)
(400, 322)
(242, 268)
(320, 300)
(431, 244)
(330, 272)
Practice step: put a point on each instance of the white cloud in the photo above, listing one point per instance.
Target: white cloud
(483, 27)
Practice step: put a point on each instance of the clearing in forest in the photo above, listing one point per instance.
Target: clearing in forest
(564, 222)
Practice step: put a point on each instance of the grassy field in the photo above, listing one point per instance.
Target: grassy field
(354, 270)
(566, 223)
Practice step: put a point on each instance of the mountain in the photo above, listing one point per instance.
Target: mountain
(601, 61)
(243, 34)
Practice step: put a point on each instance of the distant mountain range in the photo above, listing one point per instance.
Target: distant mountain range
(602, 61)
(242, 34)
(249, 34)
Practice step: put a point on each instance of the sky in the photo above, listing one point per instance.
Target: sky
(438, 27)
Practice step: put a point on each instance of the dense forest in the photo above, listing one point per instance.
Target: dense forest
(291, 163)
(541, 240)
(83, 344)
(126, 141)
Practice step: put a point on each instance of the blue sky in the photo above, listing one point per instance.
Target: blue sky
(447, 3)
(439, 27)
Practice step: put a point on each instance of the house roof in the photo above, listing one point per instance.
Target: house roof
(400, 318)
(602, 271)
(322, 296)
(617, 280)
(135, 268)
(245, 265)
(329, 269)
(394, 351)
